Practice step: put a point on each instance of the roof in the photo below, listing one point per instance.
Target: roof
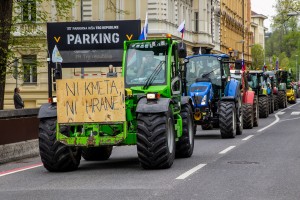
(209, 55)
(256, 15)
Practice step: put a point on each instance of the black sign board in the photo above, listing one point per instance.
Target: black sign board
(93, 43)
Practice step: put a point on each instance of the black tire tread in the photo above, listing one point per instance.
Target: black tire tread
(56, 157)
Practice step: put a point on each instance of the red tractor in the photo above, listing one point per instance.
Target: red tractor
(249, 100)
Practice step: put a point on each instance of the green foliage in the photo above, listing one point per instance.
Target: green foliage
(284, 41)
(257, 56)
(21, 30)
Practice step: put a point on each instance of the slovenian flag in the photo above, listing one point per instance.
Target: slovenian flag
(144, 32)
(56, 57)
(181, 28)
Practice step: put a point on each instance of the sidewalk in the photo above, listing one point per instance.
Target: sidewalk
(19, 150)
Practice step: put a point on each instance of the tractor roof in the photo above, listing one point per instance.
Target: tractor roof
(211, 55)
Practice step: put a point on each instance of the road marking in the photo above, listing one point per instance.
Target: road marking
(226, 150)
(277, 118)
(248, 137)
(12, 171)
(295, 113)
(191, 171)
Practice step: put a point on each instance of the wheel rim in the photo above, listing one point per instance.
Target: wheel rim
(170, 136)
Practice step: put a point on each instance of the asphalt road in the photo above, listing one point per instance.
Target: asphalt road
(261, 164)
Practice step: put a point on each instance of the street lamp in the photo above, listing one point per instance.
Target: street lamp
(290, 14)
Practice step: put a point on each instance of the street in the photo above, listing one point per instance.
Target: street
(261, 164)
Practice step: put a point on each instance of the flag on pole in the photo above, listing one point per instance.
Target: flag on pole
(56, 57)
(243, 65)
(144, 32)
(277, 64)
(181, 28)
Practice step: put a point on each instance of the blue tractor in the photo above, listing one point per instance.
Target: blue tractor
(216, 96)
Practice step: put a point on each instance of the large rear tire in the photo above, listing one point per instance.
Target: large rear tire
(276, 107)
(248, 116)
(156, 140)
(271, 104)
(56, 156)
(282, 99)
(227, 119)
(239, 119)
(263, 102)
(185, 144)
(255, 112)
(97, 153)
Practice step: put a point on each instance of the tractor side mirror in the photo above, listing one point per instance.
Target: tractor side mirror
(182, 50)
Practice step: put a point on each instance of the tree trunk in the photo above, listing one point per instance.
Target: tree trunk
(5, 31)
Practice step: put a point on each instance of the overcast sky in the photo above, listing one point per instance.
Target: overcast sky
(265, 7)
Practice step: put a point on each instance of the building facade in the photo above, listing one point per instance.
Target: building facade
(258, 29)
(210, 26)
(236, 35)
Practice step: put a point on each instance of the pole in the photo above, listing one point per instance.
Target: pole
(81, 18)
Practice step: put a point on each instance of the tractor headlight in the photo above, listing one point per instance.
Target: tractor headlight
(203, 101)
(153, 96)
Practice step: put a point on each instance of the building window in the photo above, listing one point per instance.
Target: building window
(28, 10)
(196, 21)
(29, 69)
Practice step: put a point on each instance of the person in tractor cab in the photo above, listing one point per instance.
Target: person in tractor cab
(148, 65)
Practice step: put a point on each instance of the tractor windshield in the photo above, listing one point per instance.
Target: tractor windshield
(145, 64)
(204, 67)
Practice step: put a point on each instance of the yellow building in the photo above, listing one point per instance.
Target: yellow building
(236, 35)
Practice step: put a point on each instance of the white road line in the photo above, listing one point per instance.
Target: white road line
(277, 118)
(191, 171)
(19, 169)
(295, 113)
(226, 150)
(248, 137)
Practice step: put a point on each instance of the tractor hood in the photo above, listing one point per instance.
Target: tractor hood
(198, 91)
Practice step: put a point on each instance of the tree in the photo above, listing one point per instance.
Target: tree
(257, 56)
(17, 13)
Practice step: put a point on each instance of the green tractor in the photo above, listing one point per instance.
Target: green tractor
(286, 92)
(89, 116)
(256, 81)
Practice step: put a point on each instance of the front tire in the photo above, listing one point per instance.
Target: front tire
(185, 144)
(227, 119)
(155, 140)
(56, 156)
(248, 116)
(255, 112)
(263, 102)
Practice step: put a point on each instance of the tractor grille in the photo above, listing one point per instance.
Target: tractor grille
(197, 99)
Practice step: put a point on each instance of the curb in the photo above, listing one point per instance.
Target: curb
(19, 150)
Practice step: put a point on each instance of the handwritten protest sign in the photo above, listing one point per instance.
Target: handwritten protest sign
(90, 100)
